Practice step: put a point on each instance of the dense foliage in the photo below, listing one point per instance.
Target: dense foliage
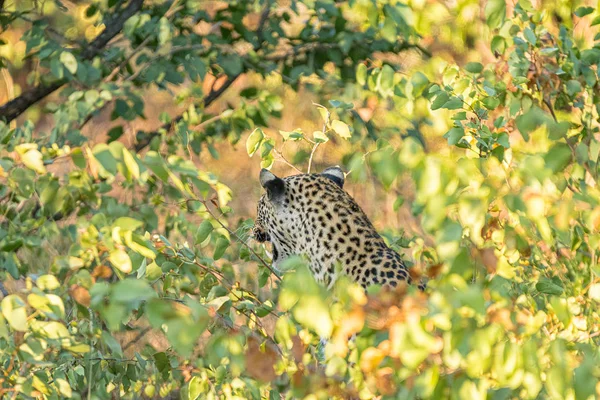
(126, 272)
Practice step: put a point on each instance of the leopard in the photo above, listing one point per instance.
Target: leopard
(311, 215)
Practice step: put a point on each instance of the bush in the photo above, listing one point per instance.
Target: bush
(127, 273)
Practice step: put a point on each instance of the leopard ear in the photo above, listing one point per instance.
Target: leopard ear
(335, 174)
(274, 186)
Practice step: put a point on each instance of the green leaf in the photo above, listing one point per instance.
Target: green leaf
(112, 343)
(105, 157)
(342, 105)
(195, 388)
(115, 133)
(558, 157)
(454, 135)
(454, 103)
(441, 99)
(474, 67)
(583, 11)
(341, 129)
(389, 31)
(91, 11)
(530, 36)
(503, 140)
(157, 165)
(220, 247)
(573, 87)
(547, 286)
(203, 231)
(361, 74)
(495, 13)
(386, 82)
(491, 102)
(498, 45)
(218, 302)
(91, 96)
(594, 150)
(127, 223)
(15, 312)
(419, 83)
(131, 291)
(530, 121)
(293, 135)
(249, 93)
(78, 158)
(232, 64)
(164, 30)
(291, 263)
(69, 61)
(254, 140)
(320, 137)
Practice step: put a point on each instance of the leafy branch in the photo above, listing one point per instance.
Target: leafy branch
(15, 107)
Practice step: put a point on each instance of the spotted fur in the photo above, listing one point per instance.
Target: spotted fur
(312, 215)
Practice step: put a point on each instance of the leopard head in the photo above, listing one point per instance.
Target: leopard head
(281, 211)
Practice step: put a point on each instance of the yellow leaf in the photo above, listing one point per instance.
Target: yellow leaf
(371, 358)
(595, 292)
(33, 160)
(15, 312)
(120, 260)
(223, 193)
(341, 128)
(132, 165)
(254, 140)
(78, 348)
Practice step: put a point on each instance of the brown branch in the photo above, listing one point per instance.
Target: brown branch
(17, 106)
(144, 138)
(140, 335)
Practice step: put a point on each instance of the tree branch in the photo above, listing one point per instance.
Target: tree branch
(144, 139)
(17, 106)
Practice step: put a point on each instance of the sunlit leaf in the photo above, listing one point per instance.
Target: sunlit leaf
(341, 128)
(13, 309)
(120, 260)
(69, 61)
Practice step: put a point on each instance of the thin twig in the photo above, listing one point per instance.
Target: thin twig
(208, 100)
(119, 67)
(316, 144)
(210, 121)
(285, 161)
(312, 153)
(137, 338)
